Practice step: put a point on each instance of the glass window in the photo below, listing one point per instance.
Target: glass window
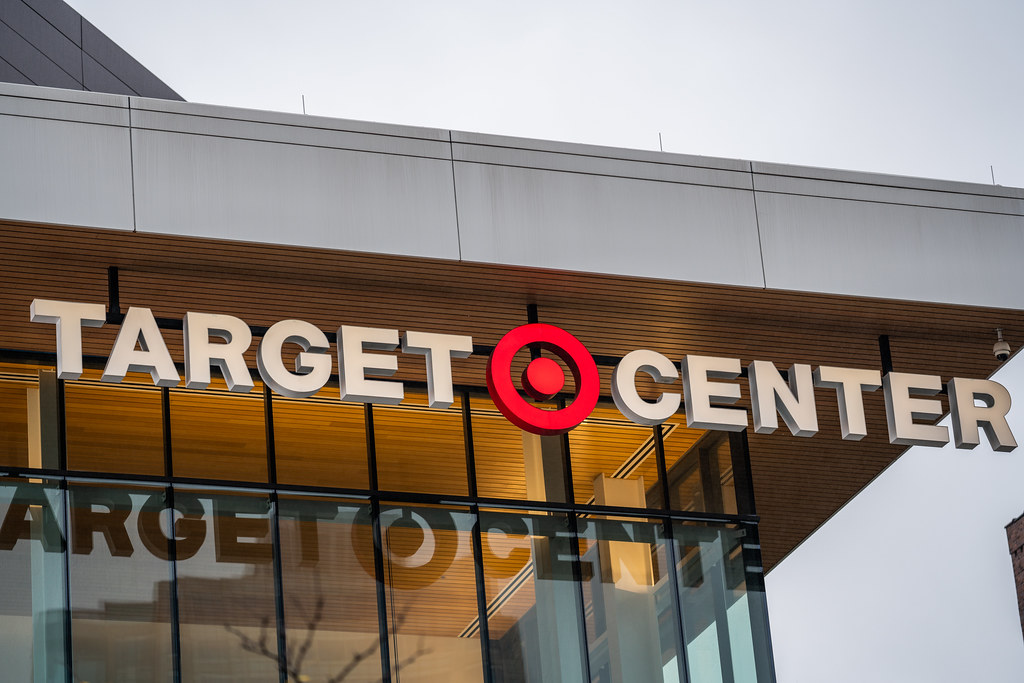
(431, 594)
(720, 615)
(120, 584)
(700, 472)
(320, 441)
(226, 600)
(608, 446)
(114, 427)
(632, 627)
(330, 596)
(419, 448)
(533, 602)
(217, 434)
(511, 463)
(32, 606)
(19, 407)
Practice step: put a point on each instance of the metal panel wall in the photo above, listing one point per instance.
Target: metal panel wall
(604, 210)
(47, 43)
(913, 242)
(279, 179)
(66, 158)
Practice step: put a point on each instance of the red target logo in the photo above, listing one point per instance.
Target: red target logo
(542, 379)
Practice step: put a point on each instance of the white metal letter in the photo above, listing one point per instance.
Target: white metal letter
(771, 396)
(354, 364)
(201, 353)
(139, 328)
(968, 416)
(901, 409)
(439, 350)
(849, 383)
(312, 364)
(699, 393)
(624, 392)
(69, 317)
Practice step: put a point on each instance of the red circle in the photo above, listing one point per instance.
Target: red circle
(514, 407)
(543, 378)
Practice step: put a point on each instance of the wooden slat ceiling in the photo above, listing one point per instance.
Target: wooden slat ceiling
(798, 482)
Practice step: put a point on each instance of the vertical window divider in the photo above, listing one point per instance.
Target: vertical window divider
(378, 548)
(282, 641)
(478, 553)
(69, 675)
(672, 556)
(172, 541)
(62, 460)
(574, 544)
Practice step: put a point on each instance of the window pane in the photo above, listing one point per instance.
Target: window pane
(120, 584)
(533, 601)
(511, 463)
(19, 398)
(420, 449)
(32, 606)
(320, 441)
(632, 627)
(225, 588)
(217, 434)
(431, 595)
(330, 597)
(607, 445)
(114, 427)
(717, 609)
(700, 471)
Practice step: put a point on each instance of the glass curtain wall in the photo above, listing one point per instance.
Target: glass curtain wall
(173, 535)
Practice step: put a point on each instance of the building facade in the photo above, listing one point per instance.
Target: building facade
(192, 529)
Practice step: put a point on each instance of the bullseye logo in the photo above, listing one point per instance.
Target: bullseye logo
(542, 379)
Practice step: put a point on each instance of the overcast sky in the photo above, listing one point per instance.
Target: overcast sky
(895, 86)
(912, 580)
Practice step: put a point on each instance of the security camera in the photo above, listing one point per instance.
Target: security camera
(1001, 350)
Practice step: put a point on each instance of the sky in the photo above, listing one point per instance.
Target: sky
(907, 87)
(912, 580)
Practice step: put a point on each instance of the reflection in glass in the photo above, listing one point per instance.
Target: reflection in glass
(225, 587)
(216, 434)
(700, 475)
(120, 584)
(431, 594)
(632, 627)
(533, 602)
(719, 612)
(32, 606)
(419, 448)
(330, 600)
(114, 428)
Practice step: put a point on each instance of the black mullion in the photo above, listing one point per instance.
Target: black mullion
(172, 541)
(382, 604)
(371, 445)
(467, 435)
(378, 549)
(62, 425)
(677, 597)
(282, 641)
(659, 454)
(739, 450)
(577, 578)
(62, 463)
(671, 557)
(68, 651)
(481, 596)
